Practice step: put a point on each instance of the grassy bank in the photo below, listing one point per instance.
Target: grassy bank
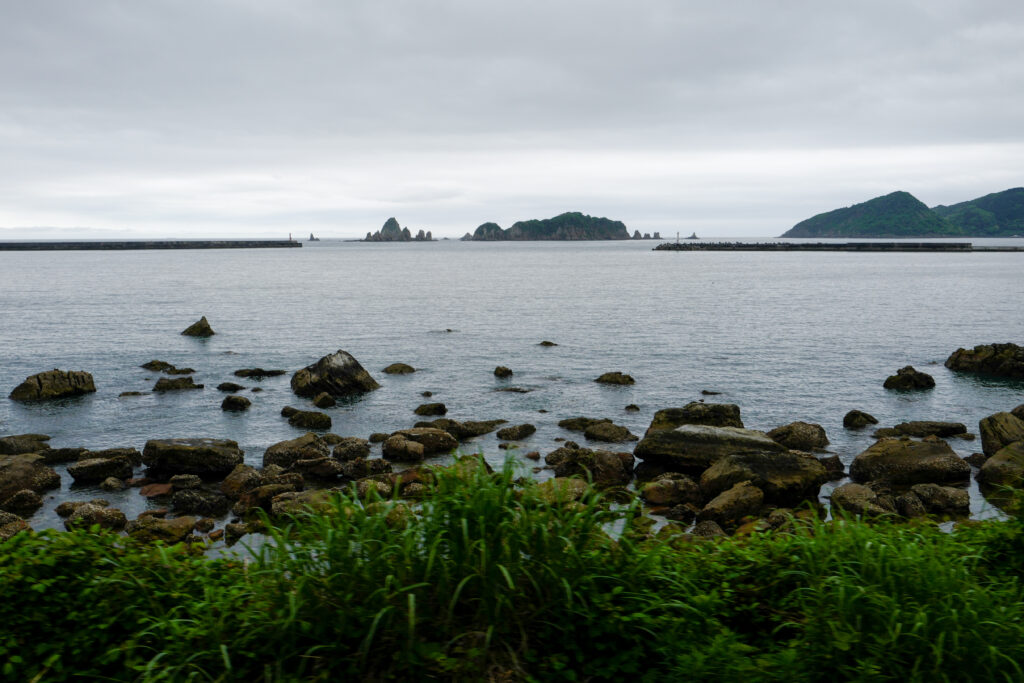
(489, 581)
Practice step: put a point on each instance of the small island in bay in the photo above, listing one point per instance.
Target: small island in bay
(902, 215)
(393, 232)
(571, 225)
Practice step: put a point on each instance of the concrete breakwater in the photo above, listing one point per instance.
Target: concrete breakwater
(148, 244)
(826, 246)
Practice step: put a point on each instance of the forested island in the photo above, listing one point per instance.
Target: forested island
(900, 215)
(571, 225)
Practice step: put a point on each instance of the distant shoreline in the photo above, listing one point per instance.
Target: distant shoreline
(124, 245)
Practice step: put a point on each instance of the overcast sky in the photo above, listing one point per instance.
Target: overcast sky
(252, 117)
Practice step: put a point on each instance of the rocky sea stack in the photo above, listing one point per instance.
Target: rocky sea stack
(200, 328)
(391, 231)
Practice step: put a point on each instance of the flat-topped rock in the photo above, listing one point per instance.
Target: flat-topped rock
(693, 448)
(258, 373)
(923, 428)
(213, 457)
(92, 470)
(24, 443)
(696, 413)
(906, 462)
(787, 478)
(54, 384)
(338, 374)
(177, 384)
(306, 447)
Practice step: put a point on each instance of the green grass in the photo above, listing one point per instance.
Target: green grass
(486, 581)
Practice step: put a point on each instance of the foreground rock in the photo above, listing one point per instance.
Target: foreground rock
(691, 449)
(909, 379)
(604, 468)
(999, 360)
(786, 479)
(90, 514)
(858, 419)
(149, 529)
(205, 457)
(732, 505)
(672, 489)
(26, 471)
(696, 413)
(10, 524)
(800, 436)
(200, 328)
(906, 462)
(857, 499)
(1005, 467)
(619, 378)
(1000, 430)
(54, 384)
(338, 374)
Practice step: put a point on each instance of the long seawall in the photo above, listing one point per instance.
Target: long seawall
(829, 246)
(149, 244)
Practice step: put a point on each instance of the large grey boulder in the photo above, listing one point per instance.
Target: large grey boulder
(693, 448)
(800, 436)
(1005, 467)
(999, 431)
(338, 374)
(696, 413)
(786, 478)
(213, 457)
(906, 462)
(54, 384)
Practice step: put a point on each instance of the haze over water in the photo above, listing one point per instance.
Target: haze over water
(787, 336)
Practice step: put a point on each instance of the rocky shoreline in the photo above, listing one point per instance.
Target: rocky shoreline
(698, 465)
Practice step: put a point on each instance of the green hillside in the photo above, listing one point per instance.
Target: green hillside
(898, 215)
(1000, 214)
(572, 225)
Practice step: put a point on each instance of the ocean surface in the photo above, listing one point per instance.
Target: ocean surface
(786, 336)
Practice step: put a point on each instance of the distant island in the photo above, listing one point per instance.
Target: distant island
(392, 232)
(567, 226)
(900, 215)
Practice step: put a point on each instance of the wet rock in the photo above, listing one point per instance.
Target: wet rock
(92, 470)
(185, 482)
(149, 529)
(426, 394)
(258, 373)
(200, 502)
(11, 524)
(113, 484)
(532, 455)
(800, 436)
(24, 443)
(234, 532)
(177, 384)
(241, 479)
(124, 394)
(857, 419)
(399, 369)
(229, 387)
(786, 479)
(672, 489)
(1018, 411)
(309, 446)
(204, 525)
(608, 432)
(133, 454)
(906, 462)
(696, 413)
(730, 506)
(235, 404)
(324, 400)
(579, 424)
(857, 499)
(604, 468)
(57, 456)
(378, 437)
(310, 419)
(833, 466)
(922, 428)
(514, 390)
(88, 515)
(431, 409)
(1000, 360)
(25, 471)
(205, 457)
(618, 378)
(502, 372)
(338, 374)
(54, 384)
(216, 535)
(24, 502)
(693, 448)
(943, 500)
(976, 459)
(1005, 467)
(288, 411)
(350, 448)
(516, 433)
(200, 328)
(909, 379)
(999, 431)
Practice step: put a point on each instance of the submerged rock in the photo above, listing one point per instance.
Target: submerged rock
(338, 374)
(463, 430)
(310, 419)
(909, 379)
(502, 372)
(431, 409)
(258, 373)
(200, 328)
(229, 387)
(579, 424)
(54, 384)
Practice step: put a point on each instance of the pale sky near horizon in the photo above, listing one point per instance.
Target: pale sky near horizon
(164, 118)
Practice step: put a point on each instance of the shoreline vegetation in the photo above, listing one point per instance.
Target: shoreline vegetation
(491, 577)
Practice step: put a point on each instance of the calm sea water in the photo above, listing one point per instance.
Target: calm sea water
(787, 336)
